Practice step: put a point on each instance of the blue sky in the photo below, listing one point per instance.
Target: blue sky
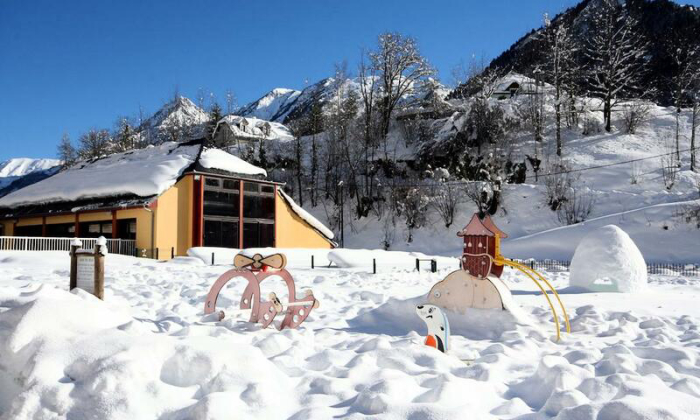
(69, 66)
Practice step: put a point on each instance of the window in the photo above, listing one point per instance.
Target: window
(222, 212)
(126, 228)
(220, 233)
(230, 184)
(33, 230)
(258, 207)
(95, 229)
(60, 230)
(220, 203)
(258, 234)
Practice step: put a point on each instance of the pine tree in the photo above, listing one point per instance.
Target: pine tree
(125, 138)
(215, 115)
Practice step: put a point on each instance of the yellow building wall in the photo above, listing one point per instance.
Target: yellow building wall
(173, 228)
(30, 221)
(291, 231)
(8, 227)
(143, 227)
(55, 220)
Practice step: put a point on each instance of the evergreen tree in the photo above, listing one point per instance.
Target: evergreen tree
(215, 115)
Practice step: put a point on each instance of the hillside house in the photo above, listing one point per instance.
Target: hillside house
(167, 198)
(243, 134)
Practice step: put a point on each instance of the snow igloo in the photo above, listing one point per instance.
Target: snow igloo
(607, 260)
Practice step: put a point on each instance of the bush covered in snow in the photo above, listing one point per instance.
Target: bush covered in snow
(607, 260)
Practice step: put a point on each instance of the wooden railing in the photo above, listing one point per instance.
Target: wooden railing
(25, 243)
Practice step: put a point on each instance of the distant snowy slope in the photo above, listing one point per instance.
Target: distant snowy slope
(178, 120)
(13, 169)
(285, 105)
(273, 106)
(22, 166)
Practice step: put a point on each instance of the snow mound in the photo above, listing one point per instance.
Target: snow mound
(398, 317)
(607, 260)
(73, 356)
(218, 159)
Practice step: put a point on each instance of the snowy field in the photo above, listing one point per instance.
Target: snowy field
(148, 352)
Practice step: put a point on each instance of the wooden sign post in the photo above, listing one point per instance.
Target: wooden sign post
(87, 267)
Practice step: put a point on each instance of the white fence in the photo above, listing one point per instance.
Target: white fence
(24, 243)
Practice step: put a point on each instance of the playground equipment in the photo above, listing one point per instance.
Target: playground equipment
(256, 269)
(438, 327)
(478, 283)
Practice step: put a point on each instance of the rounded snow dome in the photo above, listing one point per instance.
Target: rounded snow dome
(607, 260)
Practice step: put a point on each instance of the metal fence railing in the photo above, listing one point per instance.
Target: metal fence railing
(687, 270)
(26, 243)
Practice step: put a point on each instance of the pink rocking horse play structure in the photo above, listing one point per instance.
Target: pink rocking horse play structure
(255, 270)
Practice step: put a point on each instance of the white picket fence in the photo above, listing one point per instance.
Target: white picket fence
(25, 243)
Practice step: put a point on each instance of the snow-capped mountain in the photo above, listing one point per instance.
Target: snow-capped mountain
(17, 167)
(273, 106)
(17, 173)
(285, 105)
(12, 169)
(178, 120)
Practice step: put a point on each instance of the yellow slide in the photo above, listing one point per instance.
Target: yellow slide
(529, 272)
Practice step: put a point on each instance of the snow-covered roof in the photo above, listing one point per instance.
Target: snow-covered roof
(223, 161)
(144, 173)
(138, 173)
(525, 84)
(254, 128)
(307, 217)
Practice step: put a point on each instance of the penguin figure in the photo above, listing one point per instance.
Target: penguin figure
(438, 326)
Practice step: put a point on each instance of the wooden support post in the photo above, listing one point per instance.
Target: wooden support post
(212, 258)
(417, 264)
(374, 266)
(100, 269)
(156, 253)
(114, 225)
(172, 252)
(241, 186)
(75, 245)
(312, 262)
(433, 266)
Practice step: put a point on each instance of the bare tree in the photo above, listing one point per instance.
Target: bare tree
(401, 69)
(297, 129)
(231, 101)
(669, 167)
(615, 49)
(560, 68)
(576, 208)
(694, 119)
(66, 151)
(685, 59)
(445, 199)
(634, 115)
(94, 144)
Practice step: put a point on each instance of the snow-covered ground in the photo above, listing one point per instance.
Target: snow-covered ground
(147, 351)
